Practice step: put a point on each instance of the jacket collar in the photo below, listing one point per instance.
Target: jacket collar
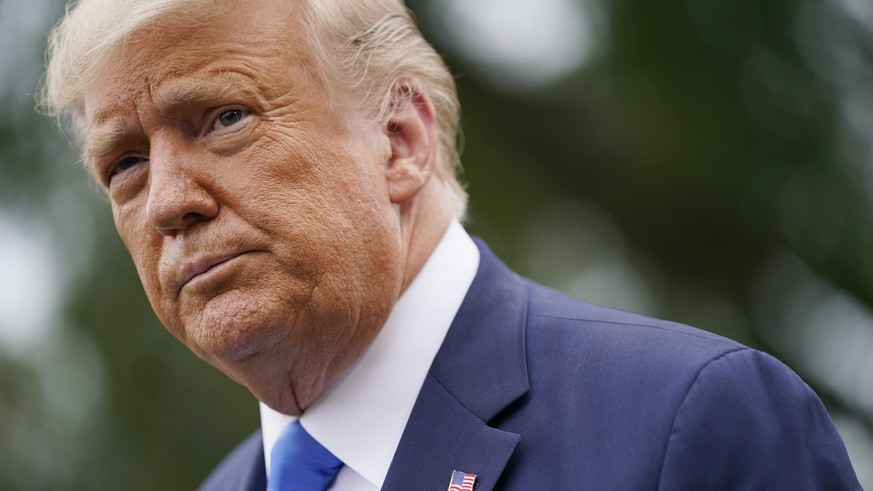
(479, 371)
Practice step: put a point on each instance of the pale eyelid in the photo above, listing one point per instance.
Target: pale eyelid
(215, 126)
(115, 170)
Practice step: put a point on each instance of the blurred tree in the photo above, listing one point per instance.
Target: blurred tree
(705, 162)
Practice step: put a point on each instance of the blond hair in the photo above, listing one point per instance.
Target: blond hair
(362, 49)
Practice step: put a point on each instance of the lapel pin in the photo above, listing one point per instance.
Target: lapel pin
(461, 481)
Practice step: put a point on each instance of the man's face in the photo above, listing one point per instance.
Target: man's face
(259, 223)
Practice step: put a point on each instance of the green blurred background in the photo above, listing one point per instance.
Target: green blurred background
(709, 162)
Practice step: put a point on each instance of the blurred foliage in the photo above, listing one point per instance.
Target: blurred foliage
(704, 139)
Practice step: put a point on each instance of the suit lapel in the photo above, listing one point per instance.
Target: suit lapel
(479, 371)
(453, 438)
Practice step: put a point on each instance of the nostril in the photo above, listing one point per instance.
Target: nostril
(191, 217)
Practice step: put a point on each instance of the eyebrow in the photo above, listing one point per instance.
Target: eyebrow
(101, 140)
(183, 91)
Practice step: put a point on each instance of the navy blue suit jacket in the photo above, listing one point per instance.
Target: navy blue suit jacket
(534, 390)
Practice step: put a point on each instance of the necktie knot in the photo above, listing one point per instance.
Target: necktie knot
(300, 463)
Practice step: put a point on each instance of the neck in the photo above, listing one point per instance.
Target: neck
(423, 222)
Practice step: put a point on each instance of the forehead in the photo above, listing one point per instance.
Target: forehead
(251, 42)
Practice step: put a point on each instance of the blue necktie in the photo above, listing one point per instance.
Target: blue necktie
(300, 463)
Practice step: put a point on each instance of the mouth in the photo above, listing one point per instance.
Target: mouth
(203, 266)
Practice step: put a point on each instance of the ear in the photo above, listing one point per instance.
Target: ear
(411, 130)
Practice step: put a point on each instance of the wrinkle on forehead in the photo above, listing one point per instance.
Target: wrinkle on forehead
(161, 66)
(259, 27)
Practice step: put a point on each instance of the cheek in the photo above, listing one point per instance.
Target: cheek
(143, 243)
(129, 222)
(282, 191)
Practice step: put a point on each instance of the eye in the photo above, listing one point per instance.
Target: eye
(229, 118)
(123, 165)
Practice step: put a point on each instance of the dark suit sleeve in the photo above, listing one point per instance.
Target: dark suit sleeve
(748, 422)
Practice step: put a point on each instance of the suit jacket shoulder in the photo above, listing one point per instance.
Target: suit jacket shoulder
(672, 407)
(536, 390)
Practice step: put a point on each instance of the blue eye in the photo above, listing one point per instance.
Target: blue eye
(229, 118)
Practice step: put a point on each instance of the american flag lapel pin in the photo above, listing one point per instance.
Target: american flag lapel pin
(461, 481)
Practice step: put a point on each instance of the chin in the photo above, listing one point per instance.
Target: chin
(231, 347)
(236, 334)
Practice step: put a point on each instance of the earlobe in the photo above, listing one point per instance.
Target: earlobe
(411, 130)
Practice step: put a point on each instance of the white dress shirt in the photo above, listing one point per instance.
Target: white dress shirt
(361, 416)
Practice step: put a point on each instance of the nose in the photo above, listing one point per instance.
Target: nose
(179, 194)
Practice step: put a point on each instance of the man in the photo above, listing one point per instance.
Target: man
(282, 173)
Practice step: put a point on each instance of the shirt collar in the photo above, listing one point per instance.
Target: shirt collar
(361, 416)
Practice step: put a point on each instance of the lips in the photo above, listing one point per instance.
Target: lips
(203, 265)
